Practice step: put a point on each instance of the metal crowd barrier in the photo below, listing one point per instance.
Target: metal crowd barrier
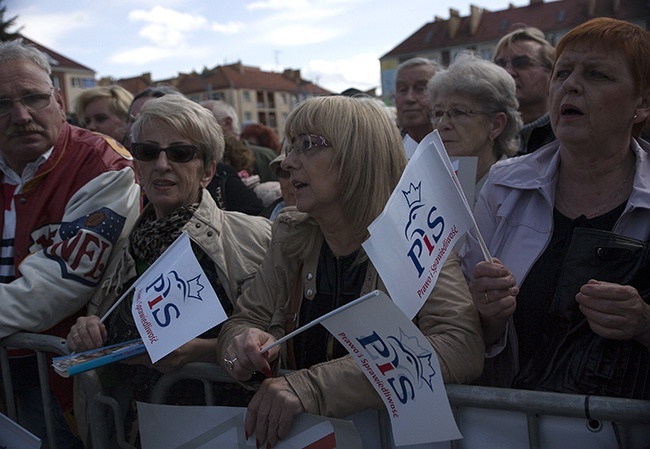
(595, 410)
(42, 344)
(532, 404)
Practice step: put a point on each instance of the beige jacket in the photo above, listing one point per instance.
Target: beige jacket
(234, 241)
(338, 388)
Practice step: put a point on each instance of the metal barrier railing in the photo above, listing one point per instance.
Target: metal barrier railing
(42, 344)
(532, 404)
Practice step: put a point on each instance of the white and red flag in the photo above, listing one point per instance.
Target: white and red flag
(173, 301)
(424, 218)
(401, 365)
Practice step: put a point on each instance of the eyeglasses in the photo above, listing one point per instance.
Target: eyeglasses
(31, 101)
(518, 62)
(148, 152)
(455, 114)
(305, 142)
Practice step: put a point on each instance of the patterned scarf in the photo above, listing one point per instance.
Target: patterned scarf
(153, 236)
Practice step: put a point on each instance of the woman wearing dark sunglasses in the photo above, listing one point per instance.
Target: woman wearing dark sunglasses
(176, 144)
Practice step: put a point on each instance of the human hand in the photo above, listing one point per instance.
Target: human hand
(615, 311)
(86, 334)
(272, 411)
(494, 292)
(246, 356)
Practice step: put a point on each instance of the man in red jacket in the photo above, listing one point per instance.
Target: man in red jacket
(68, 195)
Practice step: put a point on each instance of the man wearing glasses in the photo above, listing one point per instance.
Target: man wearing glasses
(68, 196)
(528, 56)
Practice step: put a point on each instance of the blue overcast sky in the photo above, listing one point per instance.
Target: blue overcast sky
(335, 43)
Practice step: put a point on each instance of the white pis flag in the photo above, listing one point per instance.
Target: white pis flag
(173, 301)
(401, 365)
(424, 218)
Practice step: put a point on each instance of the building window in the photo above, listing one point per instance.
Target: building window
(283, 98)
(248, 116)
(246, 96)
(56, 82)
(82, 83)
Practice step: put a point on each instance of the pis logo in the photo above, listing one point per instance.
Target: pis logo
(423, 229)
(404, 363)
(168, 291)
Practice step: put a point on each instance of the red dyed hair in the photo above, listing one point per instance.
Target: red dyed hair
(263, 134)
(615, 36)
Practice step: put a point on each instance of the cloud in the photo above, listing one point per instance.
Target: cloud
(298, 35)
(166, 27)
(50, 29)
(141, 56)
(278, 4)
(227, 28)
(360, 71)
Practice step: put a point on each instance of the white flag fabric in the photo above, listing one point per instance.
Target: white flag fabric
(423, 219)
(173, 302)
(401, 365)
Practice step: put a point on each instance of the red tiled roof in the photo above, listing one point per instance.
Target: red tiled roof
(57, 60)
(236, 76)
(549, 17)
(239, 76)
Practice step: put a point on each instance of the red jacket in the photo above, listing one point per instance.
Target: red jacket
(68, 218)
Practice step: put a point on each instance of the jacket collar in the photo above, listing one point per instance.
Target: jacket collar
(539, 170)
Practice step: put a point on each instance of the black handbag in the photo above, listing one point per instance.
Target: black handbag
(571, 357)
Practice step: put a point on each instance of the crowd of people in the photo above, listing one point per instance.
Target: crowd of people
(562, 204)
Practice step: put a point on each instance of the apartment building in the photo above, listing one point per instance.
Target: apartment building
(257, 95)
(441, 40)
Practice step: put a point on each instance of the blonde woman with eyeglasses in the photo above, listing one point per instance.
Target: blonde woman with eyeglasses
(345, 158)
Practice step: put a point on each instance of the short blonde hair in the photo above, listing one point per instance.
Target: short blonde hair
(120, 100)
(189, 119)
(368, 151)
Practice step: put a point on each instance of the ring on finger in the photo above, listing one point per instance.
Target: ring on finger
(230, 362)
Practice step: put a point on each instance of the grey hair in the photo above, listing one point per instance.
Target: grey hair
(17, 50)
(413, 62)
(221, 111)
(191, 120)
(489, 85)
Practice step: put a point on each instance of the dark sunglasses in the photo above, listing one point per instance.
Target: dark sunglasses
(518, 62)
(147, 152)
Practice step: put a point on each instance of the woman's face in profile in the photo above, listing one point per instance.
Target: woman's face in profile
(592, 96)
(315, 181)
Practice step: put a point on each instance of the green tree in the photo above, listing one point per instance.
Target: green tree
(6, 25)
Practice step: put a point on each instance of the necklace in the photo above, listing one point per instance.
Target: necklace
(597, 212)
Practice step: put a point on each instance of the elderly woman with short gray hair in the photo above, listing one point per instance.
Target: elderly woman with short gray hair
(474, 108)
